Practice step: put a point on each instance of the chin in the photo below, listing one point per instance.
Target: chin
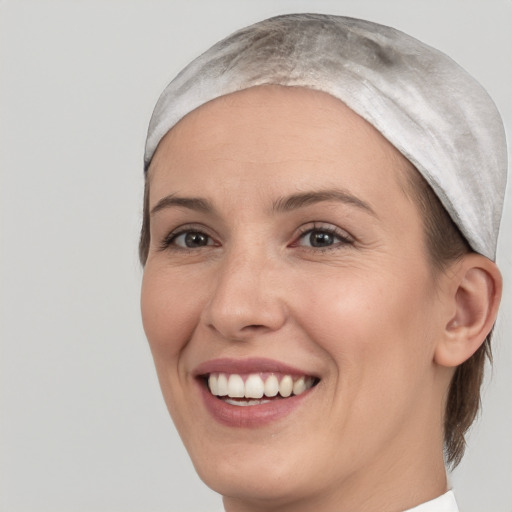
(254, 479)
(269, 469)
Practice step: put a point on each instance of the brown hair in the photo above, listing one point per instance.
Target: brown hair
(145, 237)
(445, 244)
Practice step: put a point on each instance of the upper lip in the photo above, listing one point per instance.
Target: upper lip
(244, 366)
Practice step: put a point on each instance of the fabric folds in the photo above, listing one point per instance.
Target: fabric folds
(425, 104)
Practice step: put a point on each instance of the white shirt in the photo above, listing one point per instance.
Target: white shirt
(445, 503)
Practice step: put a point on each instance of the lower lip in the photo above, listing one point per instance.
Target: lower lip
(250, 416)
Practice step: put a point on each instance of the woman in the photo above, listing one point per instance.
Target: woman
(323, 197)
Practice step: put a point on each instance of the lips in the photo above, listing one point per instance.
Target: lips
(252, 392)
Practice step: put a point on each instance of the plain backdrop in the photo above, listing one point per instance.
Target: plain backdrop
(83, 425)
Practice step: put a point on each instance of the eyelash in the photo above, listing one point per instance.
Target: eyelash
(343, 238)
(168, 241)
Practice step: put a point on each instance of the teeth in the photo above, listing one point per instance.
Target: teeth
(213, 384)
(255, 388)
(299, 386)
(222, 385)
(286, 386)
(271, 386)
(243, 403)
(236, 388)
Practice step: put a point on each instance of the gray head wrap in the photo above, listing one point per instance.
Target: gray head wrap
(424, 103)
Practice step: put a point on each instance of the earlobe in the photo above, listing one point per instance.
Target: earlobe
(475, 294)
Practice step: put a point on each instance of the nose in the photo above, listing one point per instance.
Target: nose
(246, 300)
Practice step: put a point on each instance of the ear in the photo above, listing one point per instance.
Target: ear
(474, 293)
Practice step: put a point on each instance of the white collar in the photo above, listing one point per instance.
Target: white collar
(445, 503)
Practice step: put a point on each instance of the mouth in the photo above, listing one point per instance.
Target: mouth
(256, 388)
(252, 392)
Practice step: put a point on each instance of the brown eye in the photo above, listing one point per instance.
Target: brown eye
(192, 240)
(321, 238)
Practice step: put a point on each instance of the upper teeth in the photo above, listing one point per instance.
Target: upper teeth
(256, 386)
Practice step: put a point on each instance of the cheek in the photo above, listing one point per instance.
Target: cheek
(376, 334)
(170, 311)
(371, 324)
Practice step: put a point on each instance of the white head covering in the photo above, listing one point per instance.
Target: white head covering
(425, 104)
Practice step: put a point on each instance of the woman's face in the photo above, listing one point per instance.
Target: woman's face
(284, 251)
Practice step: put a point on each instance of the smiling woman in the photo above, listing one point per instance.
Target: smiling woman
(315, 348)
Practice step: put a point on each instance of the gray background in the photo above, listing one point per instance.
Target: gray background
(83, 426)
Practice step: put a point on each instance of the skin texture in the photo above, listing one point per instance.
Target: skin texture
(368, 315)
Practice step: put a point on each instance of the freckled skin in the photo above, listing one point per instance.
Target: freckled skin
(364, 313)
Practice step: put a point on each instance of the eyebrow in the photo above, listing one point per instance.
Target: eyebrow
(283, 204)
(296, 201)
(192, 203)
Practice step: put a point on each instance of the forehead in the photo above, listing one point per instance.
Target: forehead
(279, 135)
(277, 115)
